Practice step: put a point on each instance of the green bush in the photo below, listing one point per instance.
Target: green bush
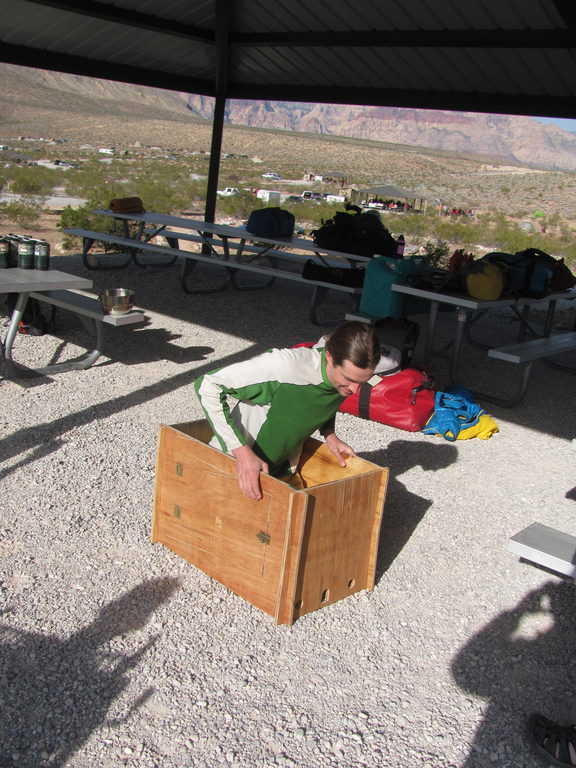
(437, 254)
(32, 180)
(239, 206)
(415, 224)
(26, 212)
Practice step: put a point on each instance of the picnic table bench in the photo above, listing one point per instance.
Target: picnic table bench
(526, 352)
(93, 317)
(232, 248)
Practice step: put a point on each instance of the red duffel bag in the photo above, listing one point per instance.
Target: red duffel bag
(404, 400)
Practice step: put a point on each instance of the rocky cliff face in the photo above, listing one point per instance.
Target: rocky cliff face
(508, 138)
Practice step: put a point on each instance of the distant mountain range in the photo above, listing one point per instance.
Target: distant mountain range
(508, 139)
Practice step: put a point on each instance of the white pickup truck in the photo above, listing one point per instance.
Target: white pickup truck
(228, 191)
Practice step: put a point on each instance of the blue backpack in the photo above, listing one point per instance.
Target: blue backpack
(527, 273)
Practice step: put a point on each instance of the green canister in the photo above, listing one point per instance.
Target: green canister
(41, 254)
(13, 241)
(4, 252)
(26, 254)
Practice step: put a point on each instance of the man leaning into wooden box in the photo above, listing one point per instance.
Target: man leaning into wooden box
(284, 396)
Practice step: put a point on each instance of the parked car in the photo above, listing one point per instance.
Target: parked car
(271, 175)
(314, 196)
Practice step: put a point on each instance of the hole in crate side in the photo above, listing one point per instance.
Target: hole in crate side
(298, 605)
(351, 583)
(325, 596)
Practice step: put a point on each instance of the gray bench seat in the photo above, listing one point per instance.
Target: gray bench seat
(525, 353)
(128, 245)
(271, 271)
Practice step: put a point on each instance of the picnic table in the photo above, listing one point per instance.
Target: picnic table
(24, 282)
(521, 352)
(233, 248)
(58, 289)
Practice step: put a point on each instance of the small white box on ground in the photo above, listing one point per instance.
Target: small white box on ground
(546, 546)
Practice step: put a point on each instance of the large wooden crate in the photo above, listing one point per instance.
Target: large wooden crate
(290, 553)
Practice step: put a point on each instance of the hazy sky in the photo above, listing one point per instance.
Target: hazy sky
(565, 123)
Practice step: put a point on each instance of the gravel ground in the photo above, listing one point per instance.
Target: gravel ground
(119, 653)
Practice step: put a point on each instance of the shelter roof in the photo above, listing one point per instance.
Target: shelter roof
(508, 56)
(392, 191)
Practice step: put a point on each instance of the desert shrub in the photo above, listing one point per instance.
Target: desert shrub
(164, 187)
(310, 215)
(25, 212)
(459, 230)
(33, 180)
(238, 206)
(83, 218)
(415, 225)
(437, 253)
(510, 239)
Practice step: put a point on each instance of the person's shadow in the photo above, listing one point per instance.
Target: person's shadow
(403, 510)
(54, 692)
(521, 662)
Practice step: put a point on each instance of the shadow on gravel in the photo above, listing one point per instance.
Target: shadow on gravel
(56, 692)
(403, 510)
(148, 345)
(43, 439)
(521, 662)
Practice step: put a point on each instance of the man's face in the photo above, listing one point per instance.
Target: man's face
(346, 378)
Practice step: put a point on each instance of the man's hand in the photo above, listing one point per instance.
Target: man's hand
(248, 471)
(339, 448)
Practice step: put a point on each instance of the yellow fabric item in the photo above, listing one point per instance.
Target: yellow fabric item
(487, 284)
(485, 428)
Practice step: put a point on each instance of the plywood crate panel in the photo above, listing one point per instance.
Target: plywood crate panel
(292, 552)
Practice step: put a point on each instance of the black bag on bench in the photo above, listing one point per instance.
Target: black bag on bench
(336, 275)
(271, 222)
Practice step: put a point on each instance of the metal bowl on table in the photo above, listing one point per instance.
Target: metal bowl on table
(116, 301)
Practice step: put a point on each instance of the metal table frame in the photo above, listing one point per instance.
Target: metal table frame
(467, 310)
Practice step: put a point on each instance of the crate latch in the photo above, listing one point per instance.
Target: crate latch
(179, 469)
(177, 510)
(263, 537)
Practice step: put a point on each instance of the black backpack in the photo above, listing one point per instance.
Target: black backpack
(527, 273)
(362, 234)
(271, 222)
